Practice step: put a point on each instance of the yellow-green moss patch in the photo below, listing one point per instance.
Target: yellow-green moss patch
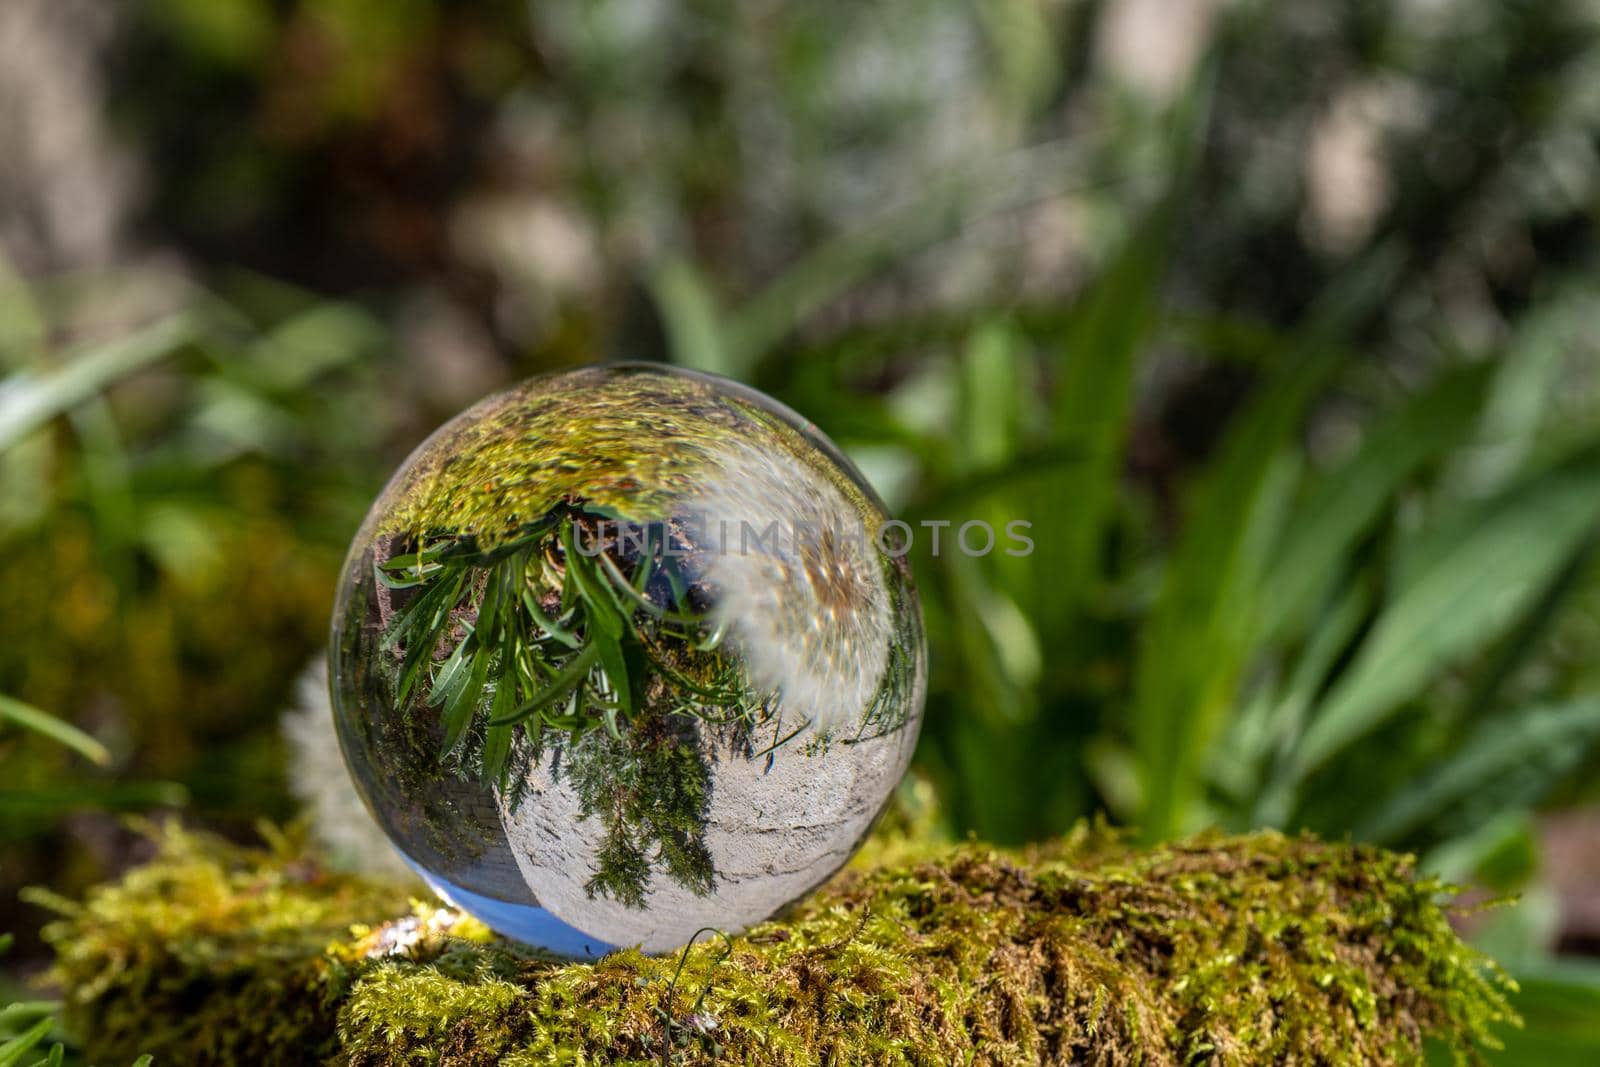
(1247, 949)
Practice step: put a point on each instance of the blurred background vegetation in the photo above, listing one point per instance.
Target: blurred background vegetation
(1272, 318)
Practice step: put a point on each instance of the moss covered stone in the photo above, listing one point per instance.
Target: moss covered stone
(1249, 949)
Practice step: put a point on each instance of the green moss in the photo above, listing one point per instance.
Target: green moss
(1234, 950)
(212, 950)
(629, 439)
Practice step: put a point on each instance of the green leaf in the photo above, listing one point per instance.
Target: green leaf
(1526, 386)
(93, 796)
(1508, 763)
(1198, 640)
(629, 596)
(29, 1011)
(47, 725)
(1343, 503)
(419, 629)
(1273, 723)
(27, 402)
(1098, 358)
(11, 1052)
(569, 677)
(692, 319)
(1523, 642)
(598, 600)
(497, 739)
(462, 705)
(500, 596)
(616, 668)
(1560, 1005)
(1460, 585)
(453, 675)
(550, 626)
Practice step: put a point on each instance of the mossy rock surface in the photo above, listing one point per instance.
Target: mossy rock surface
(1254, 949)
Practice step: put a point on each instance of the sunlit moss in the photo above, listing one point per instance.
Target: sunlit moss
(1245, 950)
(633, 448)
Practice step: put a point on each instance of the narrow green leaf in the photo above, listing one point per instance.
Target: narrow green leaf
(47, 725)
(28, 402)
(405, 576)
(93, 796)
(569, 677)
(1342, 504)
(549, 626)
(692, 318)
(629, 596)
(463, 704)
(1527, 384)
(1460, 586)
(599, 604)
(11, 1052)
(616, 668)
(1098, 357)
(452, 676)
(27, 1011)
(1510, 762)
(1285, 717)
(419, 630)
(497, 739)
(1523, 642)
(1560, 1005)
(1194, 646)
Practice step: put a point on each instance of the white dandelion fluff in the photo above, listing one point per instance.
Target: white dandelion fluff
(800, 588)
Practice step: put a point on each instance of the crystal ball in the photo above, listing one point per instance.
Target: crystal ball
(624, 653)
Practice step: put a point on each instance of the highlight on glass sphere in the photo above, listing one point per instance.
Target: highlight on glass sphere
(624, 653)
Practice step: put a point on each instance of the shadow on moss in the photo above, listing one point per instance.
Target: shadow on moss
(1248, 949)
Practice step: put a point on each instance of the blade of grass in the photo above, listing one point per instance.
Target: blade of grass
(12, 1051)
(599, 603)
(1524, 640)
(1461, 585)
(463, 703)
(692, 318)
(27, 401)
(123, 796)
(1098, 357)
(1197, 642)
(1343, 503)
(1510, 762)
(1560, 1005)
(43, 723)
(1285, 718)
(568, 678)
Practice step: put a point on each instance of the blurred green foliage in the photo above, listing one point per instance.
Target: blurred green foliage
(1314, 488)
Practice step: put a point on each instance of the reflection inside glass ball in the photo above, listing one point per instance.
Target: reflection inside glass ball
(618, 655)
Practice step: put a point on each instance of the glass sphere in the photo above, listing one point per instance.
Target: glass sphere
(623, 653)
